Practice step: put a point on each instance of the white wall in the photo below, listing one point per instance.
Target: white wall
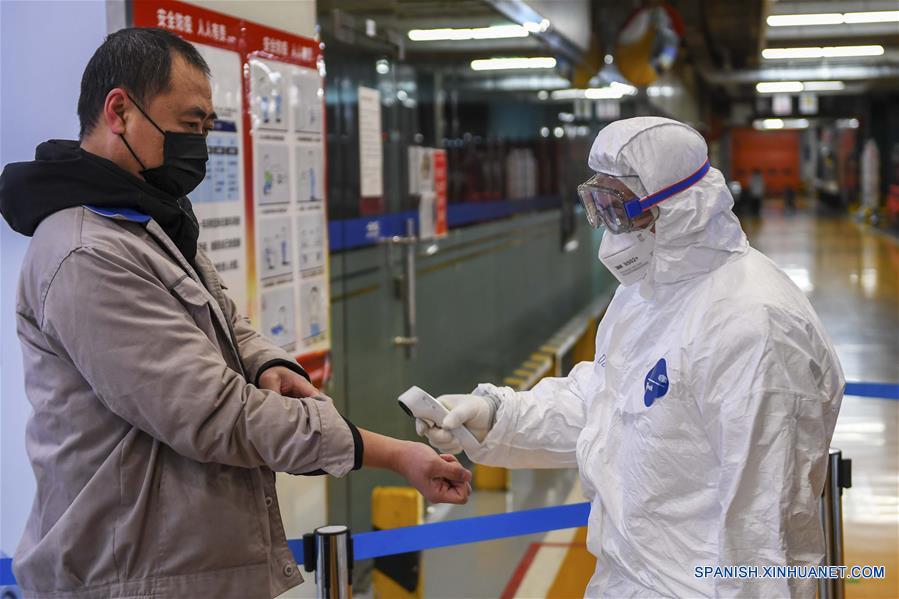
(44, 47)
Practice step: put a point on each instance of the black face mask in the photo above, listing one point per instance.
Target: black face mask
(184, 157)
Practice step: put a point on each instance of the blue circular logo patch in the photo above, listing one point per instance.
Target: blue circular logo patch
(656, 383)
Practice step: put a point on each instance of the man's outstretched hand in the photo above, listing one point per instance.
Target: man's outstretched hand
(439, 478)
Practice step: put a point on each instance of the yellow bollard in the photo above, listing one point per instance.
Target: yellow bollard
(397, 576)
(584, 349)
(488, 478)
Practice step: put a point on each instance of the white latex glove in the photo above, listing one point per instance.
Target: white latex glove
(474, 412)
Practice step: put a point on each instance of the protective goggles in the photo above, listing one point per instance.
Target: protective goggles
(609, 200)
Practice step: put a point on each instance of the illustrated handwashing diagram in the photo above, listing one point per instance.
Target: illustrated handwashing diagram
(268, 91)
(271, 104)
(273, 174)
(280, 327)
(315, 311)
(310, 165)
(278, 320)
(306, 97)
(276, 255)
(311, 238)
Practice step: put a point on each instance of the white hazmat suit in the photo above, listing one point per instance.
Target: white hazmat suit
(701, 430)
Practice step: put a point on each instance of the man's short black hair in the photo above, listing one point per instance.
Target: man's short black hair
(136, 59)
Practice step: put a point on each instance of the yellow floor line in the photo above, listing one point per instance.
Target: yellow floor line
(559, 563)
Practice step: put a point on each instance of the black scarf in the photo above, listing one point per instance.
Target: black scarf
(63, 175)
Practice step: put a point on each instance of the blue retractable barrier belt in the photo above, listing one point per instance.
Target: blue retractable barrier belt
(6, 577)
(879, 390)
(368, 545)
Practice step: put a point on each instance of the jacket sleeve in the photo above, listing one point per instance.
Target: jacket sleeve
(256, 352)
(538, 428)
(773, 395)
(142, 352)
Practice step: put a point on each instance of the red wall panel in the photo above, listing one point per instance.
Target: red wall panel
(775, 153)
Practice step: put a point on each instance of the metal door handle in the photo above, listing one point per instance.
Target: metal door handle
(410, 245)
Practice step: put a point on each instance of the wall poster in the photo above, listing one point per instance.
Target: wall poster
(262, 207)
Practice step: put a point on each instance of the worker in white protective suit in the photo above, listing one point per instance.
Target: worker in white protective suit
(702, 427)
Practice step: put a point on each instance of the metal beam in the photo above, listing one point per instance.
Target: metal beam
(519, 12)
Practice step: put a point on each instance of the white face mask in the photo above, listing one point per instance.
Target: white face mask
(627, 255)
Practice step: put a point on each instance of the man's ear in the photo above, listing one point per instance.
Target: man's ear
(114, 113)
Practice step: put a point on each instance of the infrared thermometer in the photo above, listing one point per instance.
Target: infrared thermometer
(418, 403)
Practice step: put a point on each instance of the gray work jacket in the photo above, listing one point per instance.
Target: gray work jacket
(153, 451)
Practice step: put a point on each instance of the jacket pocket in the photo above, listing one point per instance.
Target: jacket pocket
(190, 292)
(212, 515)
(196, 302)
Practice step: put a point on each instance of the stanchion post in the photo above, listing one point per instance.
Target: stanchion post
(839, 477)
(330, 553)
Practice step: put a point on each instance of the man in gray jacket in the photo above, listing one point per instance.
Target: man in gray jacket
(160, 415)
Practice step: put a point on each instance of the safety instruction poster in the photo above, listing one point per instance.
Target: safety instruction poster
(371, 151)
(262, 206)
(218, 200)
(427, 182)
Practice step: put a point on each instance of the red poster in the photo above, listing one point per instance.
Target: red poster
(282, 171)
(193, 23)
(440, 227)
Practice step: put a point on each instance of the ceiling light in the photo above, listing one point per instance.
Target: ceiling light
(497, 64)
(833, 18)
(593, 93)
(543, 95)
(624, 88)
(823, 86)
(776, 124)
(533, 27)
(603, 93)
(795, 123)
(818, 52)
(847, 124)
(794, 87)
(568, 94)
(657, 91)
(878, 16)
(493, 32)
(778, 87)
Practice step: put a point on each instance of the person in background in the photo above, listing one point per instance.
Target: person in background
(789, 200)
(701, 429)
(159, 414)
(756, 192)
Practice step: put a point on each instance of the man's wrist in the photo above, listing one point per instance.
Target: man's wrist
(395, 462)
(286, 364)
